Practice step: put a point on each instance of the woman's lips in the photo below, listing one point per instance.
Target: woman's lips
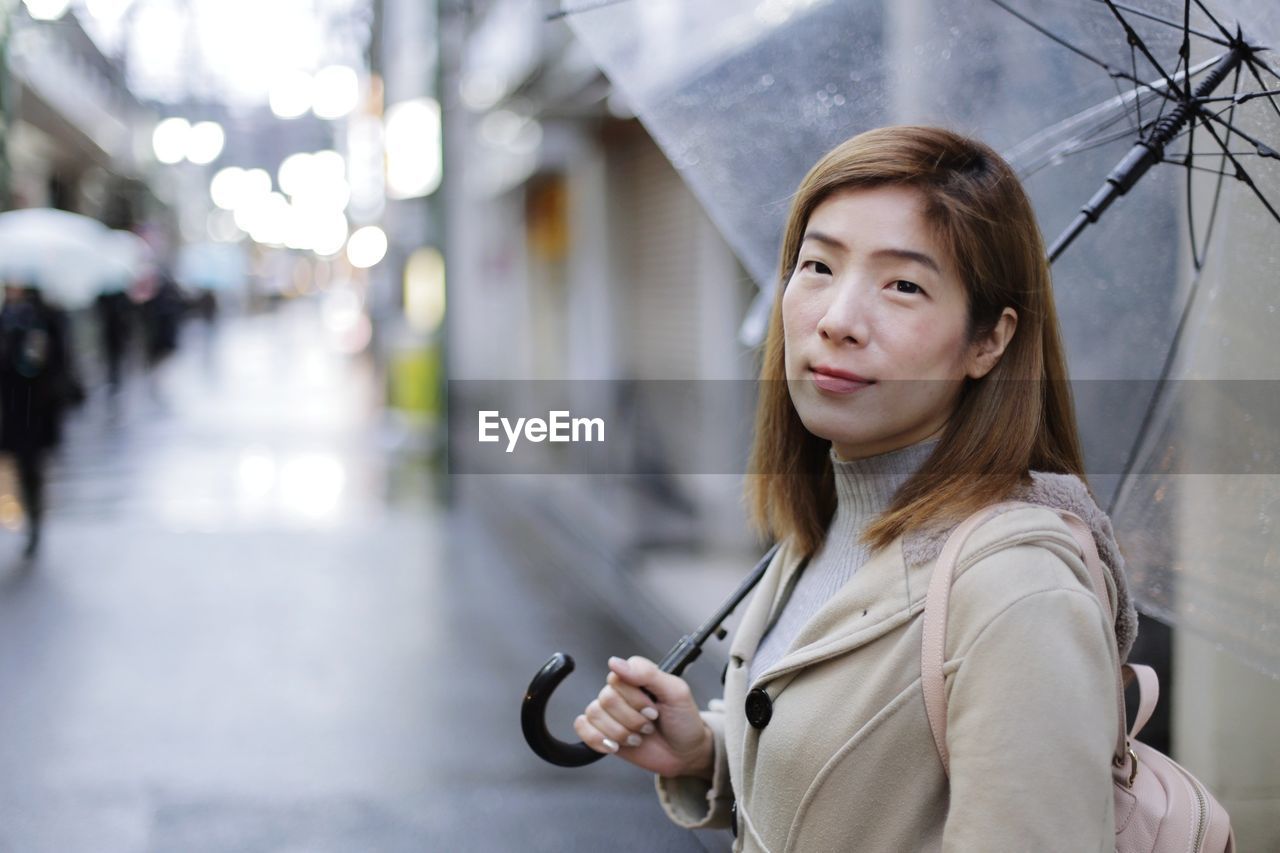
(838, 384)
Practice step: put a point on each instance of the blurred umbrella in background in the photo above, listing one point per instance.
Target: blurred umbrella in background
(211, 266)
(70, 258)
(131, 258)
(1177, 281)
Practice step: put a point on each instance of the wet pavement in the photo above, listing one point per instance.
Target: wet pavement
(253, 627)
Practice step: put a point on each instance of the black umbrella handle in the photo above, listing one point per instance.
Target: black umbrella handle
(533, 710)
(533, 716)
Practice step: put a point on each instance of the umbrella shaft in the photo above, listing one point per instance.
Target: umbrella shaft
(1169, 126)
(1147, 152)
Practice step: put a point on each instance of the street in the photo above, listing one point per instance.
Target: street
(253, 627)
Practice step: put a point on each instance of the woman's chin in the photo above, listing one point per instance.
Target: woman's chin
(825, 429)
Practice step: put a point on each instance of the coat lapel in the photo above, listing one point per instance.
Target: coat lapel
(882, 594)
(762, 603)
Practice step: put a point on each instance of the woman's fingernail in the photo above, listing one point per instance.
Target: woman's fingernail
(612, 746)
(634, 740)
(650, 713)
(647, 728)
(619, 663)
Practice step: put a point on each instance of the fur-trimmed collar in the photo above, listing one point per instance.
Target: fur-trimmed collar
(1061, 491)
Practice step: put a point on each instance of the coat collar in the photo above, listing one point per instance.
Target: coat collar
(889, 589)
(881, 595)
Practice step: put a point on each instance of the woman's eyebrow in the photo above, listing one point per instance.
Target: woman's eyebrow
(902, 254)
(824, 238)
(910, 255)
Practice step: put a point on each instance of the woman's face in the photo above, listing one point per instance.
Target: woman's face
(874, 298)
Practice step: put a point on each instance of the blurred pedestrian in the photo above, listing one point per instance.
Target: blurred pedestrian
(114, 311)
(206, 306)
(161, 317)
(910, 253)
(37, 384)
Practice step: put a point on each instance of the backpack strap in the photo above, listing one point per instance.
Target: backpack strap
(1148, 693)
(935, 623)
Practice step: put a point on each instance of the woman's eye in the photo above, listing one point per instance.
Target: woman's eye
(818, 267)
(911, 287)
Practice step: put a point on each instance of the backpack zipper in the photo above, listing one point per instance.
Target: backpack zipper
(1202, 808)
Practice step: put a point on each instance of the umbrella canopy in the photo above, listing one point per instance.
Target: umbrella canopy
(212, 266)
(71, 258)
(1175, 282)
(130, 257)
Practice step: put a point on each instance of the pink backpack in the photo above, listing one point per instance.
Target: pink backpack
(1160, 807)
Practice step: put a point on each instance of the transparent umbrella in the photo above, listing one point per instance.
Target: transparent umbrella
(1146, 134)
(131, 258)
(69, 257)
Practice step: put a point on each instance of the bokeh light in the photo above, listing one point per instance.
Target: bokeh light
(413, 148)
(291, 94)
(226, 187)
(205, 142)
(366, 247)
(47, 10)
(170, 139)
(337, 90)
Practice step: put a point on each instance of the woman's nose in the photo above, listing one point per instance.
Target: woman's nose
(846, 319)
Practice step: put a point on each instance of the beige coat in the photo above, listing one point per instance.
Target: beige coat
(847, 761)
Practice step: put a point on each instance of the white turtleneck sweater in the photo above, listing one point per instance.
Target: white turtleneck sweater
(864, 489)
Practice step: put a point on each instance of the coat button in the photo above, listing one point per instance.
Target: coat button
(733, 818)
(759, 708)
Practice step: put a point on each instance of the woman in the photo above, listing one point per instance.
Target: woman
(913, 374)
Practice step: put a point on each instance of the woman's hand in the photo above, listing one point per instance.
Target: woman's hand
(668, 737)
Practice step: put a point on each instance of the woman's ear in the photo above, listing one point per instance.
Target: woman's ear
(984, 353)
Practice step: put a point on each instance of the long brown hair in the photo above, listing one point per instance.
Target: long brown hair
(1016, 418)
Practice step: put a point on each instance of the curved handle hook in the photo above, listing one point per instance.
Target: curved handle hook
(534, 708)
(534, 723)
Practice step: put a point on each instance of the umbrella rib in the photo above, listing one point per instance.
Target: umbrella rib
(1222, 173)
(1264, 149)
(1183, 162)
(1218, 113)
(1137, 41)
(1149, 415)
(1263, 64)
(1134, 125)
(1196, 260)
(1242, 97)
(1133, 63)
(1191, 209)
(1186, 33)
(1268, 94)
(1144, 14)
(1225, 32)
(1170, 156)
(585, 7)
(1241, 172)
(1056, 38)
